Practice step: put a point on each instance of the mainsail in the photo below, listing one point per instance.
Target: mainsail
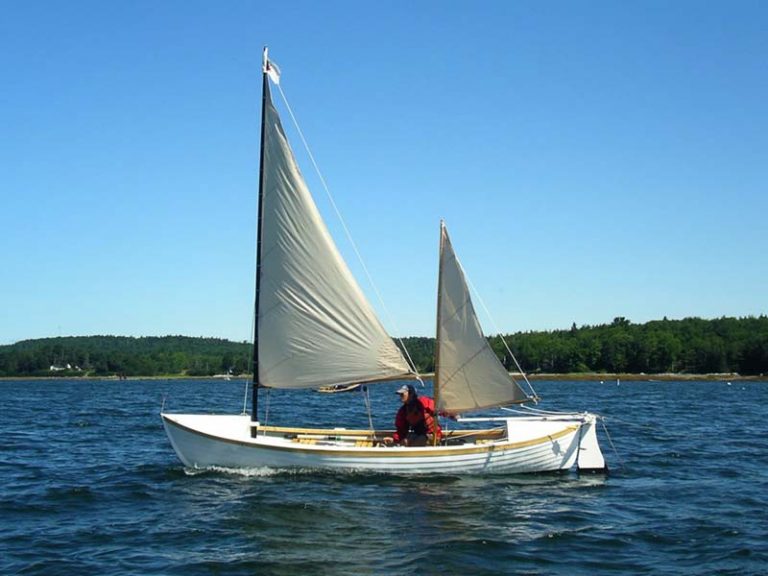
(468, 375)
(315, 326)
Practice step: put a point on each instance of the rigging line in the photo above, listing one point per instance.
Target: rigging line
(245, 397)
(266, 412)
(347, 232)
(610, 440)
(495, 327)
(538, 411)
(367, 400)
(249, 365)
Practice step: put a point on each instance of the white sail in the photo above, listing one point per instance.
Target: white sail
(468, 375)
(315, 326)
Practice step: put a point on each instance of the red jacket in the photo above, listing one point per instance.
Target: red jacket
(417, 417)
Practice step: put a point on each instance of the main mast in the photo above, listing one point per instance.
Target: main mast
(436, 377)
(255, 391)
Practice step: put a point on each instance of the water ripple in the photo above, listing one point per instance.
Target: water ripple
(91, 486)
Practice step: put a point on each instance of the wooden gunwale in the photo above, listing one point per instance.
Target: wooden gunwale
(482, 433)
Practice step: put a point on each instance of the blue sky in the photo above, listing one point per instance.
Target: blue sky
(591, 160)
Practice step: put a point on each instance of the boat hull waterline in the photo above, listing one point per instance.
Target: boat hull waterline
(526, 445)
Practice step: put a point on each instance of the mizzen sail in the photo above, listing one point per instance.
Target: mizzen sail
(468, 376)
(315, 326)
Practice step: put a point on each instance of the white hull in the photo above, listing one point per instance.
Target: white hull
(522, 444)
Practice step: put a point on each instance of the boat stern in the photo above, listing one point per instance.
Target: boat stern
(590, 457)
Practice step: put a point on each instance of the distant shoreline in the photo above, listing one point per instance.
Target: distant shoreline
(578, 376)
(666, 377)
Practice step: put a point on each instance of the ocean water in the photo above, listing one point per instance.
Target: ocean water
(90, 485)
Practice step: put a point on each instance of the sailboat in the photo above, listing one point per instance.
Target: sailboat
(315, 328)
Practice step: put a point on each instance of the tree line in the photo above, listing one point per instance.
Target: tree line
(691, 345)
(124, 356)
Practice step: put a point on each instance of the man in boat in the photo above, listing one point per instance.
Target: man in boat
(415, 422)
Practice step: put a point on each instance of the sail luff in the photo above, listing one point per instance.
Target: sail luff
(437, 375)
(438, 371)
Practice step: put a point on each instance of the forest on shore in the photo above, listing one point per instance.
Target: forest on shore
(688, 346)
